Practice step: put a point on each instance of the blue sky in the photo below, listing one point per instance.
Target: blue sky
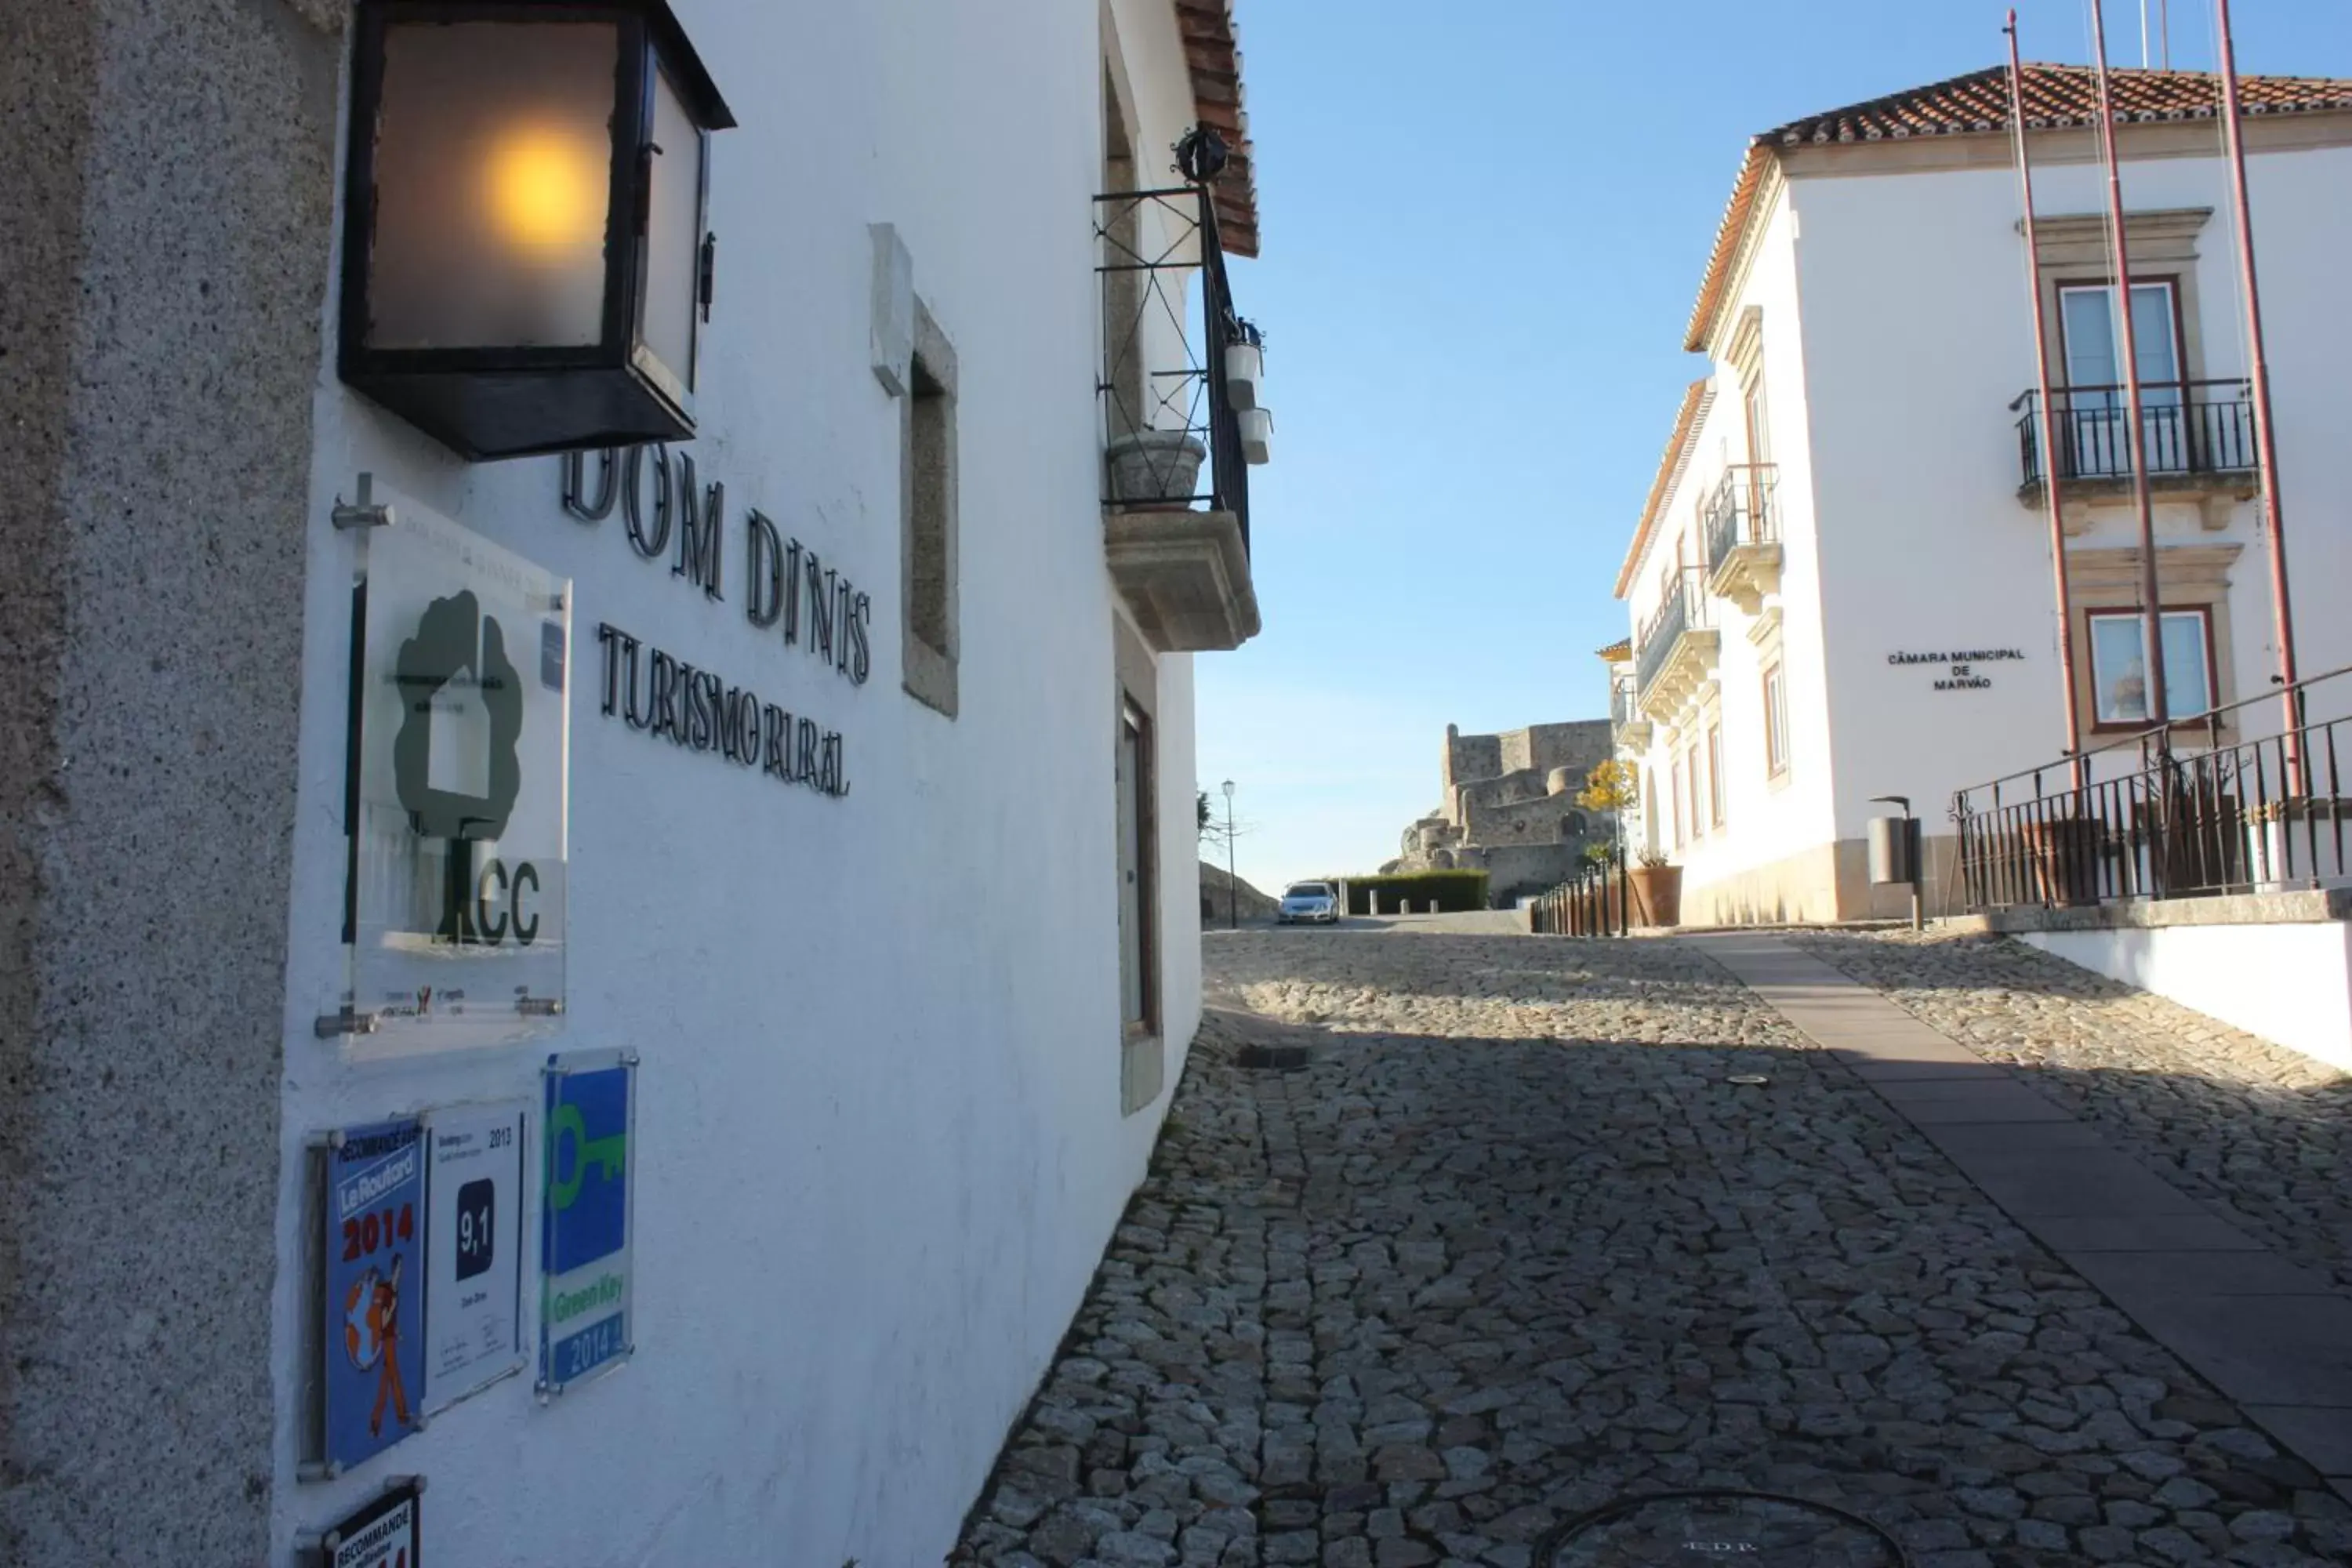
(1484, 226)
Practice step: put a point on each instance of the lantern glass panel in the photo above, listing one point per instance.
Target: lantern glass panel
(493, 184)
(673, 237)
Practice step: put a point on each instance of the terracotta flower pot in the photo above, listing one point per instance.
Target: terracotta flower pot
(1657, 895)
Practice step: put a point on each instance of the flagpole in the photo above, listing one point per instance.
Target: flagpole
(2265, 438)
(2158, 705)
(2048, 416)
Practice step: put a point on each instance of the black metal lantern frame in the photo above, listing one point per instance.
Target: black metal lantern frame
(506, 399)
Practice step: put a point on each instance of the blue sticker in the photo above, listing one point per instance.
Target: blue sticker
(584, 1242)
(375, 1287)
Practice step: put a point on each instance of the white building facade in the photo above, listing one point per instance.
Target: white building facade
(898, 929)
(1841, 587)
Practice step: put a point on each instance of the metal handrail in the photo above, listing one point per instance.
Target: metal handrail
(2214, 718)
(1740, 511)
(2195, 431)
(1681, 609)
(2265, 813)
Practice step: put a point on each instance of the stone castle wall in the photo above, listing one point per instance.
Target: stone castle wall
(1509, 808)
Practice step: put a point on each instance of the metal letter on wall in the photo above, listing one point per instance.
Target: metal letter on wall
(587, 1218)
(455, 907)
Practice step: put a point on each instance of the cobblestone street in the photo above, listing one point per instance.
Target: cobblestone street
(1516, 1242)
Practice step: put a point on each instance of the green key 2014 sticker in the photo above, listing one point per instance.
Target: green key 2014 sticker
(587, 1218)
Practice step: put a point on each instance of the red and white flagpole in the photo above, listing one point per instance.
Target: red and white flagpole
(2265, 438)
(2160, 711)
(2047, 417)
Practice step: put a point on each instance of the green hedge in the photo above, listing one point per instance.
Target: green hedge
(1454, 890)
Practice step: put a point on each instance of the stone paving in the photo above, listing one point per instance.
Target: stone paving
(1513, 1247)
(2260, 1132)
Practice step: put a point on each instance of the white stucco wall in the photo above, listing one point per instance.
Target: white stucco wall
(879, 1145)
(2289, 984)
(1767, 818)
(1896, 333)
(1919, 335)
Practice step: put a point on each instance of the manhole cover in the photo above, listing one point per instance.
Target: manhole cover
(1746, 1528)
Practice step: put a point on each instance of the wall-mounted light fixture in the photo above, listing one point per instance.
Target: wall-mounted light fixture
(526, 265)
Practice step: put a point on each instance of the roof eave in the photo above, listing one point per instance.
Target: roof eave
(1739, 214)
(1212, 55)
(1669, 465)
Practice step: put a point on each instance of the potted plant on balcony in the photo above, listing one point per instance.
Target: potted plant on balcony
(1153, 467)
(1658, 889)
(1244, 362)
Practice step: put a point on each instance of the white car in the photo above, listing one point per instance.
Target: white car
(1308, 903)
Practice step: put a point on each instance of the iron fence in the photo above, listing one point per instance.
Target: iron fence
(2146, 818)
(1172, 435)
(1684, 608)
(1740, 511)
(1621, 712)
(2185, 428)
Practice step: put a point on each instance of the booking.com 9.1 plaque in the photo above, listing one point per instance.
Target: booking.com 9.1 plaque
(587, 1223)
(454, 911)
(473, 1248)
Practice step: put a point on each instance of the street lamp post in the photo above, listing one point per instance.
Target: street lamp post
(1232, 885)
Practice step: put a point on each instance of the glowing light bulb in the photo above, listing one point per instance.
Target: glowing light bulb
(545, 188)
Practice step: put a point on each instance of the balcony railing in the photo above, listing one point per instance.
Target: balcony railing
(1740, 511)
(1683, 609)
(2270, 814)
(1165, 403)
(2186, 427)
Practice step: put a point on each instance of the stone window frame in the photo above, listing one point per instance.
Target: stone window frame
(2073, 248)
(1135, 687)
(1717, 797)
(1780, 760)
(1745, 356)
(2131, 617)
(930, 519)
(1697, 789)
(1675, 790)
(2188, 577)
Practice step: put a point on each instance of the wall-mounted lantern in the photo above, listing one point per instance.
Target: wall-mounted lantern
(526, 265)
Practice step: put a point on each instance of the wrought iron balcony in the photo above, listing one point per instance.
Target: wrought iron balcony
(1627, 724)
(1741, 526)
(2190, 431)
(1175, 458)
(1677, 647)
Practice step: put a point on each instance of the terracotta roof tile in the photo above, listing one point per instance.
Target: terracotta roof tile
(1617, 652)
(1678, 453)
(1212, 51)
(2056, 95)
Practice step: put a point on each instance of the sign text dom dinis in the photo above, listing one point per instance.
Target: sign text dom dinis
(789, 589)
